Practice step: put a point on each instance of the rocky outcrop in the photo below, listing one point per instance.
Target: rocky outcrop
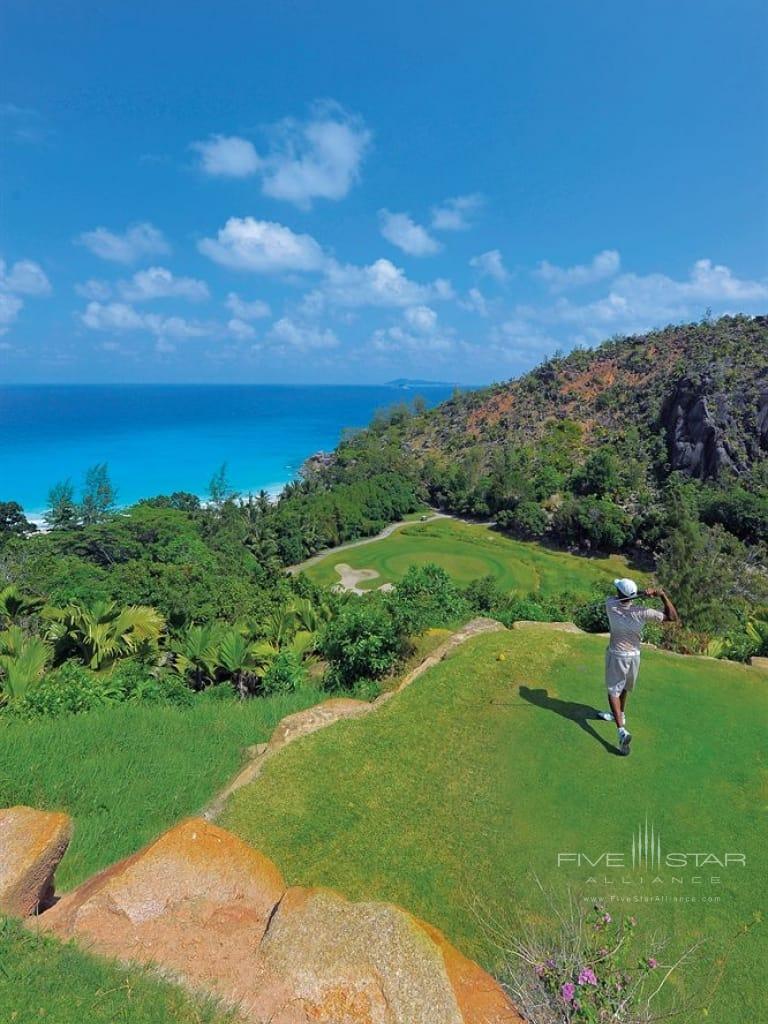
(215, 914)
(31, 845)
(696, 438)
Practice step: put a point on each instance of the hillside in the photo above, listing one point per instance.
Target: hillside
(605, 449)
(701, 388)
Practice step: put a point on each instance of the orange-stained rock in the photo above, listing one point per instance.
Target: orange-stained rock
(31, 845)
(480, 997)
(196, 901)
(214, 913)
(327, 960)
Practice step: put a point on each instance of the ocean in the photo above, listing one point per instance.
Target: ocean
(162, 438)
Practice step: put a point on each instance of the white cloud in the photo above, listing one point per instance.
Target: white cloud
(379, 284)
(160, 283)
(247, 310)
(490, 264)
(455, 214)
(421, 318)
(605, 264)
(10, 307)
(240, 329)
(227, 156)
(475, 302)
(136, 241)
(400, 230)
(638, 302)
(120, 316)
(315, 159)
(24, 277)
(262, 246)
(420, 332)
(94, 289)
(302, 336)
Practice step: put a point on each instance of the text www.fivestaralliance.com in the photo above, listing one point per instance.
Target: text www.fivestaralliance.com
(659, 898)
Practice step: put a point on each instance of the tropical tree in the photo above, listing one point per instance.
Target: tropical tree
(243, 660)
(99, 496)
(17, 608)
(23, 661)
(103, 633)
(62, 508)
(196, 654)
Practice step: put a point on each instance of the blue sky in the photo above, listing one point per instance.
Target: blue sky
(348, 193)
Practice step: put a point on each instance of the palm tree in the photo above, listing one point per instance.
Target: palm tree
(197, 653)
(15, 607)
(103, 633)
(23, 660)
(244, 660)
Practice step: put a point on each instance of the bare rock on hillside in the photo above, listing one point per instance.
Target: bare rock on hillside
(197, 901)
(558, 627)
(31, 845)
(214, 913)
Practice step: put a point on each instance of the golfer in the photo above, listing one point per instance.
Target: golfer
(622, 659)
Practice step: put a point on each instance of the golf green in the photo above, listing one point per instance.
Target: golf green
(468, 552)
(491, 772)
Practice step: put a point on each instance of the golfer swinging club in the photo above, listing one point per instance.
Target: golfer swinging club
(622, 659)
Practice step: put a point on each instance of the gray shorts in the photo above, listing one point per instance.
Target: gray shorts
(620, 672)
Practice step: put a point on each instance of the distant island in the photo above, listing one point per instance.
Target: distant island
(406, 383)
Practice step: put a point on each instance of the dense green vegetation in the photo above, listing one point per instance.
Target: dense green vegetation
(492, 763)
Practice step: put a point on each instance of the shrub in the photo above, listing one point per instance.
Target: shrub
(73, 689)
(527, 519)
(592, 522)
(285, 674)
(363, 641)
(426, 598)
(594, 969)
(592, 617)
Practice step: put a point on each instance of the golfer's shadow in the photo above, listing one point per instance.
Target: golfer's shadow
(581, 714)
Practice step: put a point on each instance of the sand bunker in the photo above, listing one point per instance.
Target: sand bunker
(350, 579)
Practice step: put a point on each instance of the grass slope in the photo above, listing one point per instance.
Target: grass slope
(128, 772)
(44, 980)
(474, 779)
(469, 551)
(124, 774)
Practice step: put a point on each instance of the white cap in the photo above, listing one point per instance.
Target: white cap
(627, 588)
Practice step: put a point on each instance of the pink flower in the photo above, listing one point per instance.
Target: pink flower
(587, 976)
(540, 970)
(652, 962)
(607, 918)
(568, 991)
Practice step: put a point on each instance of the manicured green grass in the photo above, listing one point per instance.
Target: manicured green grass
(128, 772)
(467, 552)
(470, 783)
(45, 980)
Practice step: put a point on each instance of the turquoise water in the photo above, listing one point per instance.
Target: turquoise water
(158, 438)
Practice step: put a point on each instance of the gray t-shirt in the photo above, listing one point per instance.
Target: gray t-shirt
(626, 621)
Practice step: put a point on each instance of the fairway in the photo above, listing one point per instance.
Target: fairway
(471, 782)
(468, 552)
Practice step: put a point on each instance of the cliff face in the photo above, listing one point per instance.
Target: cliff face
(702, 389)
